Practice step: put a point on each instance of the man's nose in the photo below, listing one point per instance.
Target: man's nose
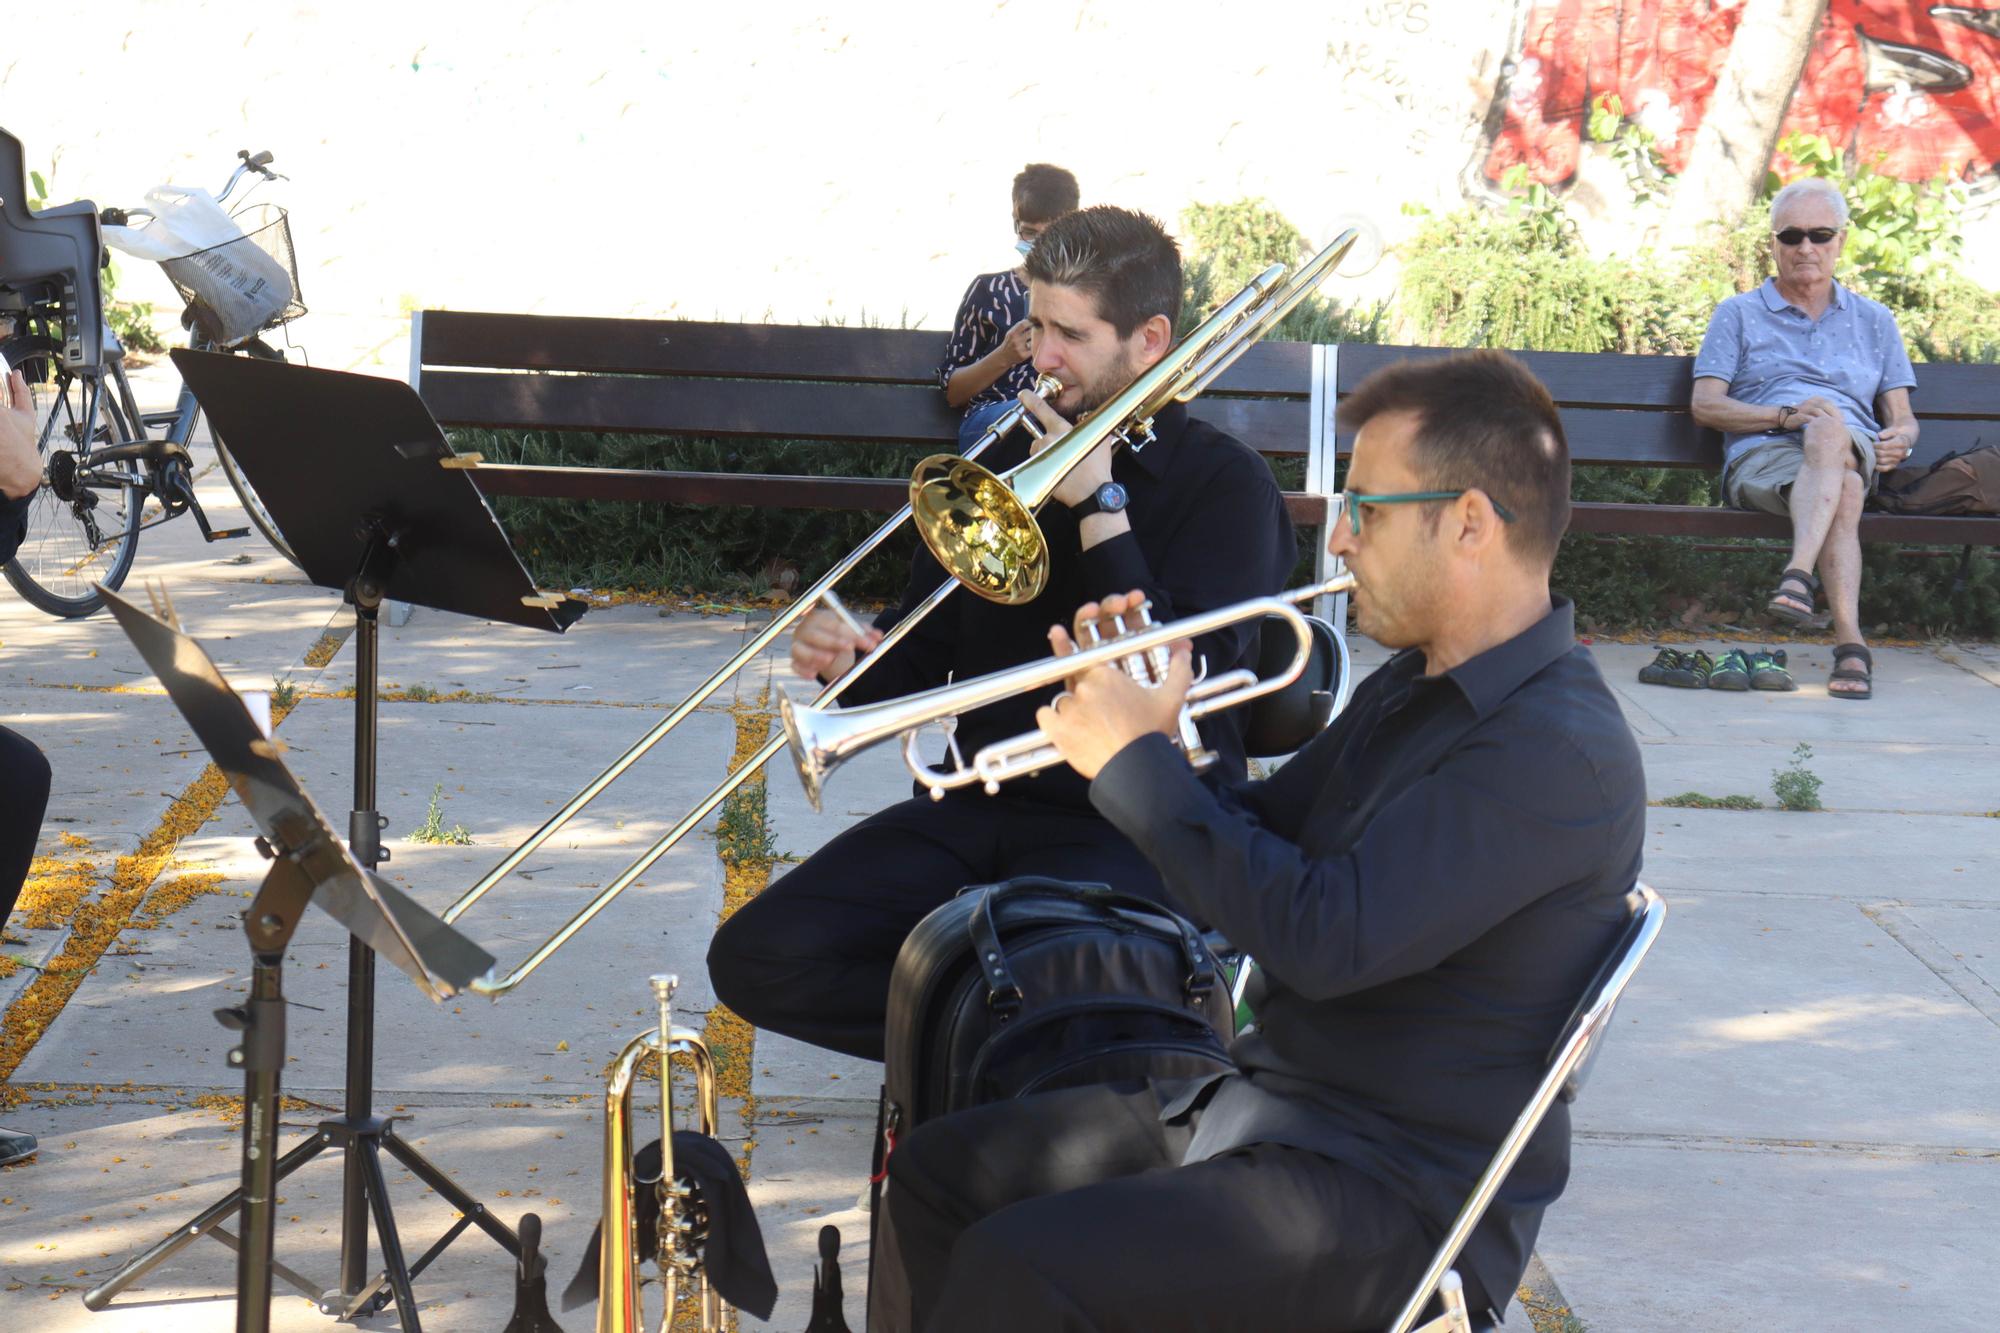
(1044, 355)
(1339, 537)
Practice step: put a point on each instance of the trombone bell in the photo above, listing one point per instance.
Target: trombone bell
(978, 530)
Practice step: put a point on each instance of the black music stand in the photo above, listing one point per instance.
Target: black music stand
(349, 466)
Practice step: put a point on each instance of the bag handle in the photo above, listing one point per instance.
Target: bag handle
(1003, 992)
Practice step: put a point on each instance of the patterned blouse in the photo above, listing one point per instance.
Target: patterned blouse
(993, 304)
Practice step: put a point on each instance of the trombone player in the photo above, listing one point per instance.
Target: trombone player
(1427, 886)
(1192, 516)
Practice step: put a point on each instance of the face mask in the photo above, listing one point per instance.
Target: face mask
(1024, 247)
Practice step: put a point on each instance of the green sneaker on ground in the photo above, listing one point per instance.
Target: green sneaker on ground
(1767, 670)
(1684, 671)
(1732, 671)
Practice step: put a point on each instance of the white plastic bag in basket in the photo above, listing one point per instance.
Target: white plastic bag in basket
(201, 247)
(184, 221)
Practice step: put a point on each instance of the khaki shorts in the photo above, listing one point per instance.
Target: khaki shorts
(1761, 477)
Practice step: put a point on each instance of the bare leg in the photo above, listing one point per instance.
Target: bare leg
(1816, 495)
(1840, 567)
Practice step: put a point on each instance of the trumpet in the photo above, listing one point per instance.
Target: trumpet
(979, 524)
(821, 739)
(683, 1214)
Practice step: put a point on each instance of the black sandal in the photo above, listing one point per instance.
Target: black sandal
(1865, 673)
(1794, 586)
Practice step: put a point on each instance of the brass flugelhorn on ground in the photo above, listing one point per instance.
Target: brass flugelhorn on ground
(980, 526)
(683, 1215)
(822, 739)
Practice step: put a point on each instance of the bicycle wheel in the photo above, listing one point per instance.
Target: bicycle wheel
(78, 535)
(259, 516)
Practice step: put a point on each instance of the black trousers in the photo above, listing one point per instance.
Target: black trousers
(24, 796)
(810, 957)
(1069, 1212)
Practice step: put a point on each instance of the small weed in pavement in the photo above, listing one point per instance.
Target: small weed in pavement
(1795, 785)
(1694, 800)
(432, 830)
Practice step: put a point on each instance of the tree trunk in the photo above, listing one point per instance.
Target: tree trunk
(1733, 147)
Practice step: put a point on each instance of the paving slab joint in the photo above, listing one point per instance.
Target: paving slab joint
(1548, 1310)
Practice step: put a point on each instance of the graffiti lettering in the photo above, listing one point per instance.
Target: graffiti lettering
(1411, 16)
(1359, 60)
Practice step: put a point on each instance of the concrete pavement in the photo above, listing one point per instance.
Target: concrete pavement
(1794, 1126)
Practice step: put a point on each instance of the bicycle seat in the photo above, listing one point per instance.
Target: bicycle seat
(62, 247)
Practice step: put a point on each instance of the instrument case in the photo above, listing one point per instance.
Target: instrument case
(1036, 984)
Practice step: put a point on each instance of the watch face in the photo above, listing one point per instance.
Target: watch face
(1111, 497)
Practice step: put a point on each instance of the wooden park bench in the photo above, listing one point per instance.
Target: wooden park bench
(778, 381)
(1632, 411)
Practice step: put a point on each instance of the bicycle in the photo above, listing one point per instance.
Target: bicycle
(101, 464)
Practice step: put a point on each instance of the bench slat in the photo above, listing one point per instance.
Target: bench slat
(1617, 379)
(885, 495)
(1671, 439)
(880, 494)
(674, 347)
(887, 413)
(1710, 521)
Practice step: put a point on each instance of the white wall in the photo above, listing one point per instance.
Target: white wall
(763, 159)
(784, 160)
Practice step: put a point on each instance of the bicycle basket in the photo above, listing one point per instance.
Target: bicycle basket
(245, 285)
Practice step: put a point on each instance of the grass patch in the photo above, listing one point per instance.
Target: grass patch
(1694, 800)
(433, 829)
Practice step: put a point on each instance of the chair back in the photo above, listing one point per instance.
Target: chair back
(1568, 1064)
(1282, 722)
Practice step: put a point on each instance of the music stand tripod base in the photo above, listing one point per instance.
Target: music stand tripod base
(349, 468)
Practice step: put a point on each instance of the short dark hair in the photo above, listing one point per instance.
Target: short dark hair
(1043, 193)
(1485, 421)
(1124, 259)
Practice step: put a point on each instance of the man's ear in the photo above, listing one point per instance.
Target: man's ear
(1154, 338)
(1479, 523)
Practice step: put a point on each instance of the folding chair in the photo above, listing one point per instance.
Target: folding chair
(1569, 1064)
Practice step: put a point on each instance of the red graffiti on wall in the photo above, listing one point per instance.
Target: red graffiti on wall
(1918, 85)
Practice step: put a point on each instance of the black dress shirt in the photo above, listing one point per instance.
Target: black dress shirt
(993, 304)
(1209, 528)
(13, 524)
(1427, 887)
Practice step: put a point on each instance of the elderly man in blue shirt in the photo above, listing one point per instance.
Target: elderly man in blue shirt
(1810, 385)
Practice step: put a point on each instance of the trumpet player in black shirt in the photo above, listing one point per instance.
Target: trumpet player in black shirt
(1426, 887)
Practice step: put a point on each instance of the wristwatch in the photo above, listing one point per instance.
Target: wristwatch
(1110, 498)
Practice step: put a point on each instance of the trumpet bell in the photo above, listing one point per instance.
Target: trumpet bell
(979, 530)
(813, 759)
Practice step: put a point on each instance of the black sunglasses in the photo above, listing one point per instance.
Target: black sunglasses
(1819, 235)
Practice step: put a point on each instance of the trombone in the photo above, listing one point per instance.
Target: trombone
(1017, 415)
(822, 739)
(982, 530)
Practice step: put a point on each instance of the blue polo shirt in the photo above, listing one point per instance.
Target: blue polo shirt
(1772, 353)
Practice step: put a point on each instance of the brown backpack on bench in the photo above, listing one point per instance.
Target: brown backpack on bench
(1967, 482)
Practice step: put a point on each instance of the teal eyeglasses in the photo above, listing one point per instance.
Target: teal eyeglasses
(1352, 501)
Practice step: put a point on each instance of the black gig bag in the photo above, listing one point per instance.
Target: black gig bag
(1037, 984)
